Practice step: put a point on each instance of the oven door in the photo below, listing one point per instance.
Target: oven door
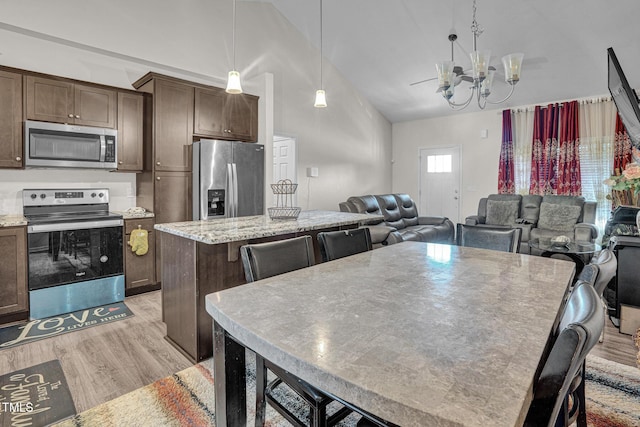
(64, 253)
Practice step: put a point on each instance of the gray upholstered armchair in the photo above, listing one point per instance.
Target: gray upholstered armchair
(569, 216)
(511, 210)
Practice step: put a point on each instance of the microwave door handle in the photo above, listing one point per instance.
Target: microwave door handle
(103, 148)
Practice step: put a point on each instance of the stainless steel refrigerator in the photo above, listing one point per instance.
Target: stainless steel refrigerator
(228, 179)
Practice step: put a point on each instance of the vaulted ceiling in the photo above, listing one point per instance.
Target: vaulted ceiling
(381, 46)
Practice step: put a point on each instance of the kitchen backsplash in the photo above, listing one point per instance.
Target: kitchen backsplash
(122, 186)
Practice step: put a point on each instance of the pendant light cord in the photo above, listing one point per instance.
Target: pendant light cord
(233, 36)
(321, 44)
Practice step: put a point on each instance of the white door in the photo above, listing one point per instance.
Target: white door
(284, 162)
(440, 182)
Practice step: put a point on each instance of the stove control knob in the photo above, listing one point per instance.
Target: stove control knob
(34, 195)
(42, 196)
(93, 194)
(101, 195)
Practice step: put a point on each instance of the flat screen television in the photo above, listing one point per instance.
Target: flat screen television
(625, 98)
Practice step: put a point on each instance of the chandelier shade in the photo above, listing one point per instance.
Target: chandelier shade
(480, 60)
(445, 74)
(512, 66)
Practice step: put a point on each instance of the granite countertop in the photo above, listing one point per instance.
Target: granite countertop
(19, 220)
(224, 230)
(416, 333)
(12, 221)
(131, 215)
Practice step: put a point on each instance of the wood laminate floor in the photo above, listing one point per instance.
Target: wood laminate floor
(616, 346)
(106, 361)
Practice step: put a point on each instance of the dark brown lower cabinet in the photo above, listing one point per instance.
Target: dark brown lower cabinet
(14, 295)
(139, 270)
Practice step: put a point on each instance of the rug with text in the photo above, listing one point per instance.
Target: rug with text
(44, 328)
(35, 396)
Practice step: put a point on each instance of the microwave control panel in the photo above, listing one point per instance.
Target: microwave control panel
(110, 151)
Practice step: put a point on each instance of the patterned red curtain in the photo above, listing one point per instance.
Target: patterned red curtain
(506, 172)
(544, 151)
(621, 147)
(569, 181)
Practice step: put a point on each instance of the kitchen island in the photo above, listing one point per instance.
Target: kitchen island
(202, 257)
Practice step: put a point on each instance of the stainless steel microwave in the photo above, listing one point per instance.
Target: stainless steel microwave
(69, 146)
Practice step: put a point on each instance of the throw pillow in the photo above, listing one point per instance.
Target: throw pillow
(558, 217)
(502, 212)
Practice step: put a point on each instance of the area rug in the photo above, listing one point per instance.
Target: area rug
(35, 396)
(186, 399)
(636, 339)
(44, 328)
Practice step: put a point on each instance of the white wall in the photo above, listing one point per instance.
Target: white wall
(479, 156)
(116, 42)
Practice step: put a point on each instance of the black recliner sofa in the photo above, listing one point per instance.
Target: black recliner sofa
(401, 220)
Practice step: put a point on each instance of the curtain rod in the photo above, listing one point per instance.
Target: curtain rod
(581, 101)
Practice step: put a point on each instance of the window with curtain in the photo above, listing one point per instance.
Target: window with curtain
(597, 134)
(522, 131)
(573, 158)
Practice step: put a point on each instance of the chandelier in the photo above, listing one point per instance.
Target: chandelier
(449, 75)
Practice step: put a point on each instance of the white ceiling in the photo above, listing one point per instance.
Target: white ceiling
(381, 46)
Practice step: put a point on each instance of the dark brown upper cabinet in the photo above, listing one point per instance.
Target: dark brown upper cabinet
(221, 115)
(60, 101)
(11, 144)
(130, 131)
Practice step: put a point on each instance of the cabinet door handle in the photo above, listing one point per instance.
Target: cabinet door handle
(18, 159)
(158, 163)
(157, 178)
(71, 116)
(120, 162)
(77, 117)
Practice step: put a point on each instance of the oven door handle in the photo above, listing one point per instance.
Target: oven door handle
(68, 226)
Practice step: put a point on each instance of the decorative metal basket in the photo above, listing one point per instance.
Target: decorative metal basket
(284, 186)
(284, 209)
(283, 213)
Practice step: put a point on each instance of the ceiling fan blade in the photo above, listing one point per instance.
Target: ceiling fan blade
(423, 81)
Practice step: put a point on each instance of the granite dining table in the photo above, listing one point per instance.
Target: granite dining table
(413, 333)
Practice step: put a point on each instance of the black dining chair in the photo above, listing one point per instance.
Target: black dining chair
(342, 243)
(589, 274)
(497, 238)
(559, 392)
(264, 260)
(607, 264)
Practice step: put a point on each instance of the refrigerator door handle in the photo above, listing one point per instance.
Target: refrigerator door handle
(235, 189)
(230, 202)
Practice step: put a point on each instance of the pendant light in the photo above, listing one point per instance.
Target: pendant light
(321, 98)
(233, 82)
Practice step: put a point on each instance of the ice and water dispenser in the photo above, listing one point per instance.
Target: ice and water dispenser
(215, 207)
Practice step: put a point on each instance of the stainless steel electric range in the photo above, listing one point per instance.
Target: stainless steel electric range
(74, 250)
